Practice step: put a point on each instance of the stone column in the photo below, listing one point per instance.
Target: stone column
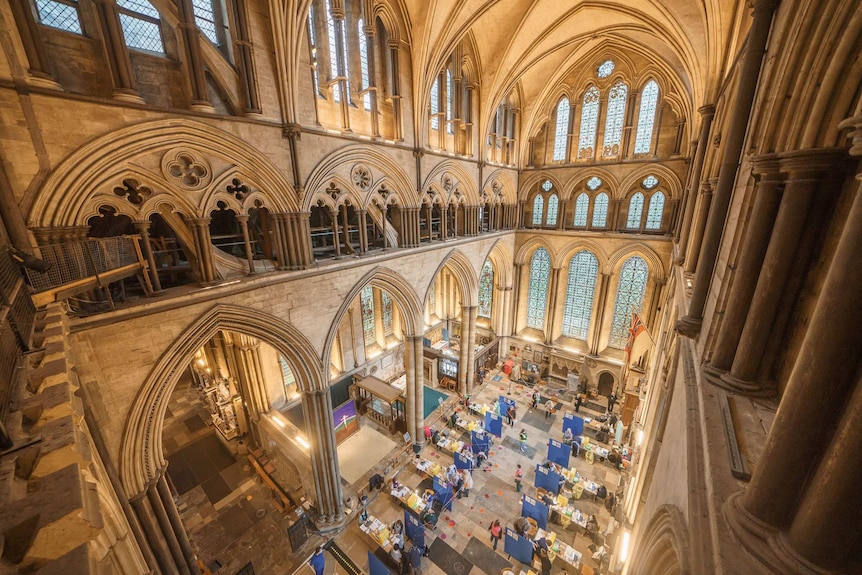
(767, 196)
(177, 525)
(519, 222)
(370, 33)
(194, 60)
(517, 271)
(250, 375)
(397, 122)
(469, 341)
(143, 228)
(337, 13)
(804, 170)
(463, 350)
(697, 227)
(317, 406)
(363, 231)
(302, 226)
(419, 376)
(293, 133)
(410, 360)
(118, 55)
(154, 539)
(278, 240)
(333, 218)
(249, 254)
(203, 247)
(551, 316)
(167, 531)
(689, 325)
(245, 60)
(444, 221)
(820, 384)
(707, 113)
(603, 284)
(625, 141)
(28, 30)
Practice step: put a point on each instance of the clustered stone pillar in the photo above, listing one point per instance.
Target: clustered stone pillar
(292, 238)
(749, 73)
(409, 237)
(204, 249)
(143, 228)
(245, 59)
(415, 410)
(550, 317)
(604, 282)
(191, 42)
(695, 240)
(317, 406)
(160, 521)
(119, 60)
(251, 380)
(246, 241)
(800, 497)
(467, 357)
(370, 32)
(707, 113)
(395, 80)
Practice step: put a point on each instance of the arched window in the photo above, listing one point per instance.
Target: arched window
(553, 204)
(562, 131)
(60, 15)
(209, 20)
(582, 205)
(435, 104)
(538, 209)
(448, 102)
(366, 303)
(600, 211)
(656, 209)
(540, 269)
(646, 118)
(630, 296)
(486, 289)
(141, 25)
(583, 269)
(346, 59)
(363, 65)
(312, 42)
(388, 324)
(636, 209)
(333, 53)
(614, 119)
(288, 378)
(589, 120)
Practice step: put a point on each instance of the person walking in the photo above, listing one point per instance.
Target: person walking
(519, 474)
(510, 414)
(549, 408)
(523, 437)
(468, 482)
(317, 560)
(496, 532)
(535, 401)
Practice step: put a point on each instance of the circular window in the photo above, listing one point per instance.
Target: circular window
(593, 183)
(547, 185)
(650, 182)
(606, 69)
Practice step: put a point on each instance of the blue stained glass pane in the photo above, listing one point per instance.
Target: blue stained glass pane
(486, 290)
(562, 130)
(589, 120)
(388, 324)
(636, 209)
(583, 269)
(656, 209)
(582, 205)
(646, 118)
(553, 204)
(614, 119)
(600, 211)
(630, 296)
(435, 104)
(363, 65)
(538, 208)
(366, 303)
(537, 295)
(59, 15)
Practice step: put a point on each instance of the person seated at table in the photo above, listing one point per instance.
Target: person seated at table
(592, 527)
(435, 437)
(397, 528)
(467, 401)
(540, 544)
(615, 457)
(568, 437)
(429, 519)
(467, 452)
(576, 448)
(521, 526)
(601, 492)
(546, 498)
(453, 420)
(428, 498)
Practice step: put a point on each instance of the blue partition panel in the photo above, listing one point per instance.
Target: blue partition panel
(413, 529)
(573, 422)
(493, 424)
(443, 491)
(518, 547)
(536, 510)
(559, 453)
(462, 461)
(481, 441)
(376, 566)
(547, 479)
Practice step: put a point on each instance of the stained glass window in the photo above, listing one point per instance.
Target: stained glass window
(288, 377)
(435, 104)
(562, 131)
(205, 18)
(313, 43)
(600, 211)
(656, 209)
(540, 269)
(583, 268)
(582, 205)
(366, 303)
(589, 119)
(553, 204)
(60, 15)
(614, 119)
(346, 59)
(630, 296)
(594, 183)
(538, 208)
(606, 69)
(448, 102)
(646, 118)
(333, 52)
(140, 24)
(388, 324)
(547, 185)
(636, 209)
(649, 182)
(363, 65)
(486, 289)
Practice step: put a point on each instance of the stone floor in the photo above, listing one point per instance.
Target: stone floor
(231, 522)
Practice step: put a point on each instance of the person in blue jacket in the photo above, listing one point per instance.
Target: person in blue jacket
(317, 561)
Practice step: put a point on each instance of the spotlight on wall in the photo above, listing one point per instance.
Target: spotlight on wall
(302, 441)
(29, 261)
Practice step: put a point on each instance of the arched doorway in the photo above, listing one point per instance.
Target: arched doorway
(606, 383)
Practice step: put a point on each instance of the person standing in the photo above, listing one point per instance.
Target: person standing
(496, 532)
(416, 560)
(523, 437)
(519, 474)
(511, 414)
(317, 561)
(535, 401)
(578, 403)
(612, 399)
(468, 482)
(549, 408)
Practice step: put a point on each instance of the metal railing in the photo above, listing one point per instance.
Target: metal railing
(78, 260)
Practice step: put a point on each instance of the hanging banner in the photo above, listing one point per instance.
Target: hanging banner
(573, 422)
(548, 480)
(481, 441)
(376, 566)
(493, 424)
(413, 529)
(443, 492)
(535, 510)
(463, 462)
(559, 453)
(518, 547)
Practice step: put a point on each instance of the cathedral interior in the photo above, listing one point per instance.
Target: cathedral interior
(253, 252)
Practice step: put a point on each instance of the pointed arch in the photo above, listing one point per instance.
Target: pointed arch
(466, 274)
(464, 182)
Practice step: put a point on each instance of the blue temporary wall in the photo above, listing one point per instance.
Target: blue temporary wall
(518, 547)
(547, 479)
(536, 510)
(481, 440)
(573, 422)
(505, 402)
(462, 461)
(559, 453)
(493, 424)
(413, 529)
(376, 566)
(443, 491)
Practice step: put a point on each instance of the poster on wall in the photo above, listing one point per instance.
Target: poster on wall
(345, 421)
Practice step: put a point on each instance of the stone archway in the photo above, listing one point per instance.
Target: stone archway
(605, 383)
